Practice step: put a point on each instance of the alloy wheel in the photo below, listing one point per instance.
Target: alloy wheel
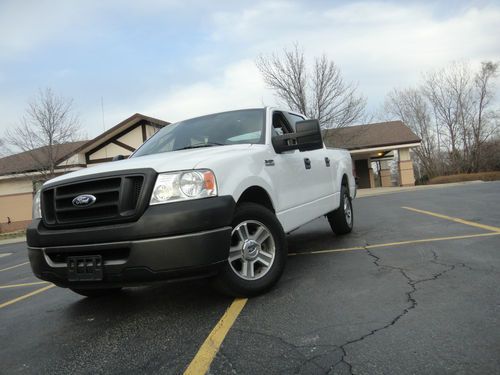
(252, 250)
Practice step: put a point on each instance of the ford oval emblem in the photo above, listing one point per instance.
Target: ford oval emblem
(84, 200)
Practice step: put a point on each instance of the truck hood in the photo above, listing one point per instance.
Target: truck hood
(163, 162)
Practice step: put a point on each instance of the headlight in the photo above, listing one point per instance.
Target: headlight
(178, 186)
(36, 210)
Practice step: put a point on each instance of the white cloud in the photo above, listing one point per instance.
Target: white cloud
(378, 44)
(27, 25)
(239, 86)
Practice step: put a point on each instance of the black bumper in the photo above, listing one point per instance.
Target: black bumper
(175, 240)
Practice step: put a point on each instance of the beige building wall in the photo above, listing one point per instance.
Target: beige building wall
(150, 131)
(109, 151)
(132, 138)
(385, 174)
(385, 177)
(16, 206)
(16, 196)
(406, 175)
(372, 177)
(15, 186)
(77, 159)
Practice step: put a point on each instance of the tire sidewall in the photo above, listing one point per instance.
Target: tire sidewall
(337, 218)
(345, 195)
(234, 284)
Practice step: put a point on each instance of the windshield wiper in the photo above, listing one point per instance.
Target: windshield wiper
(200, 145)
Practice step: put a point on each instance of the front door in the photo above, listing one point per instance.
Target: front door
(301, 179)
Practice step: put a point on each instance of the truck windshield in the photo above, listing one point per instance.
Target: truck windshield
(219, 129)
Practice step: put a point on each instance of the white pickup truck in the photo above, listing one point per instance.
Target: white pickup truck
(210, 196)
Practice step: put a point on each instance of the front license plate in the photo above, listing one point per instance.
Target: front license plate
(85, 268)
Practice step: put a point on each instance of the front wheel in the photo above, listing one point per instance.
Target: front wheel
(342, 219)
(257, 255)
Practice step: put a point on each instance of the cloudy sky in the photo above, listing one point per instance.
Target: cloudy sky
(176, 59)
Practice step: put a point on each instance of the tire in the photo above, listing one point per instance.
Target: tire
(94, 293)
(342, 219)
(257, 255)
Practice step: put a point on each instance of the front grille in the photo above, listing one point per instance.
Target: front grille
(118, 198)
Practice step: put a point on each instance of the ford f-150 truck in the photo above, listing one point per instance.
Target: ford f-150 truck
(210, 196)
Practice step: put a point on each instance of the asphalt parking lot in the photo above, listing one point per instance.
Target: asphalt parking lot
(413, 290)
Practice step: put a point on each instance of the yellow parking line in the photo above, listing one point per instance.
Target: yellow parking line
(410, 242)
(21, 285)
(455, 219)
(12, 301)
(17, 265)
(327, 251)
(206, 354)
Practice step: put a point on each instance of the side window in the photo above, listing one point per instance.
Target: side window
(292, 119)
(280, 124)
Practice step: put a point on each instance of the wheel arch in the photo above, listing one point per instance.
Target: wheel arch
(345, 181)
(257, 194)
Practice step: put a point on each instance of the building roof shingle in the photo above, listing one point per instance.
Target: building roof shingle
(36, 159)
(371, 135)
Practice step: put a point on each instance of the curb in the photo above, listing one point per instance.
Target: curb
(373, 192)
(8, 241)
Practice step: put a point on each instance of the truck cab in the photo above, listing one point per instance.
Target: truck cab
(210, 196)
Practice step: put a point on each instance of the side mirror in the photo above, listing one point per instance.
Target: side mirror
(118, 157)
(308, 133)
(307, 137)
(284, 142)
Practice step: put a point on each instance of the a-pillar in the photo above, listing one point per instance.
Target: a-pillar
(406, 176)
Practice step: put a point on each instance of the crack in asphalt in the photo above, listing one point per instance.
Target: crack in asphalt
(412, 302)
(225, 360)
(296, 349)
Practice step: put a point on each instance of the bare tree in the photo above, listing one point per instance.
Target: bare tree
(48, 123)
(462, 101)
(3, 150)
(443, 89)
(322, 94)
(411, 106)
(486, 121)
(454, 109)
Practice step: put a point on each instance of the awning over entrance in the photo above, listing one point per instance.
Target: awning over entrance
(377, 145)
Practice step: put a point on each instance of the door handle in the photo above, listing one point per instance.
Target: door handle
(307, 163)
(327, 161)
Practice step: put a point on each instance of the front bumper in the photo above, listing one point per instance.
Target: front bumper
(176, 240)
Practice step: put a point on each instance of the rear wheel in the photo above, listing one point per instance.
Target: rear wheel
(342, 219)
(96, 292)
(257, 254)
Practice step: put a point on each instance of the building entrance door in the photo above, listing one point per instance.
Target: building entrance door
(362, 173)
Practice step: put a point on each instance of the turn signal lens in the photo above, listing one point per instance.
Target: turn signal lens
(37, 207)
(209, 181)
